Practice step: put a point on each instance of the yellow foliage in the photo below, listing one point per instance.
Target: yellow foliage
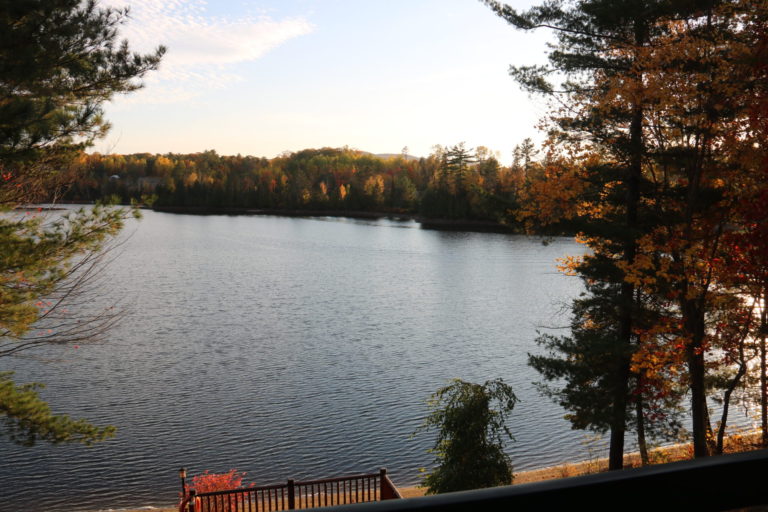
(554, 197)
(568, 264)
(374, 187)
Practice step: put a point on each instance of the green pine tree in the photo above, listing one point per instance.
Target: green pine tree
(598, 46)
(60, 60)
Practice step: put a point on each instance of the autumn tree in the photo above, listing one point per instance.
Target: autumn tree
(654, 101)
(61, 60)
(753, 255)
(596, 38)
(700, 82)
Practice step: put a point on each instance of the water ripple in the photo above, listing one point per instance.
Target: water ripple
(290, 348)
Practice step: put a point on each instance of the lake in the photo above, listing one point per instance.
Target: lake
(290, 348)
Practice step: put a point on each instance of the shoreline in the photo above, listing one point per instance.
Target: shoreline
(482, 226)
(734, 443)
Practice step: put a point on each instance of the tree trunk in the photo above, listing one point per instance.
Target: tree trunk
(735, 381)
(627, 298)
(619, 420)
(641, 443)
(693, 319)
(763, 376)
(727, 402)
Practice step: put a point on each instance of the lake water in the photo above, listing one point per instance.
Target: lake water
(290, 348)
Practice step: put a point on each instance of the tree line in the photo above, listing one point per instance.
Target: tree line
(453, 182)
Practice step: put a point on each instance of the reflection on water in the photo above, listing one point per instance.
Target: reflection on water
(289, 347)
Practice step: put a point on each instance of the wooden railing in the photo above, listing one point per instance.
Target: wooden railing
(295, 495)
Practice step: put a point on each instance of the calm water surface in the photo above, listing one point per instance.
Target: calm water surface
(286, 347)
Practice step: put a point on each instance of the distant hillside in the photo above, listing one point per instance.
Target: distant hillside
(386, 156)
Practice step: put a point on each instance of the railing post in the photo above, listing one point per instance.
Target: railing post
(382, 483)
(192, 501)
(388, 489)
(291, 495)
(183, 477)
(382, 477)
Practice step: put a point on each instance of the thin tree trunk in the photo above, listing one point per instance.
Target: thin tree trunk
(641, 443)
(727, 402)
(734, 382)
(763, 376)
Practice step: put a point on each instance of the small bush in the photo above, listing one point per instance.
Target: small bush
(212, 482)
(469, 449)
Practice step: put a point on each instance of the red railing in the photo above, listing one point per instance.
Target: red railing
(295, 495)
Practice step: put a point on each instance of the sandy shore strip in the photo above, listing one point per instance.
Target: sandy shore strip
(733, 444)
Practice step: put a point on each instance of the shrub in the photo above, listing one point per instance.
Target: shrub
(469, 449)
(212, 482)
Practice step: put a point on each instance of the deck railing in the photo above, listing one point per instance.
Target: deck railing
(292, 495)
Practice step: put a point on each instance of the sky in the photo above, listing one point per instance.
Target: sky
(262, 77)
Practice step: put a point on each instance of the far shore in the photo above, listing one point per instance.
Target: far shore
(427, 223)
(733, 444)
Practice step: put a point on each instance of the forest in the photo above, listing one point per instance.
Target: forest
(451, 183)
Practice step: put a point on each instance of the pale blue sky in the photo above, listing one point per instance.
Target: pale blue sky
(262, 77)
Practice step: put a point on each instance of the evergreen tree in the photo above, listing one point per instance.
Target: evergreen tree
(655, 105)
(59, 61)
(599, 45)
(458, 161)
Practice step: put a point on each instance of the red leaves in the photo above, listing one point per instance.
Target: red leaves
(212, 482)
